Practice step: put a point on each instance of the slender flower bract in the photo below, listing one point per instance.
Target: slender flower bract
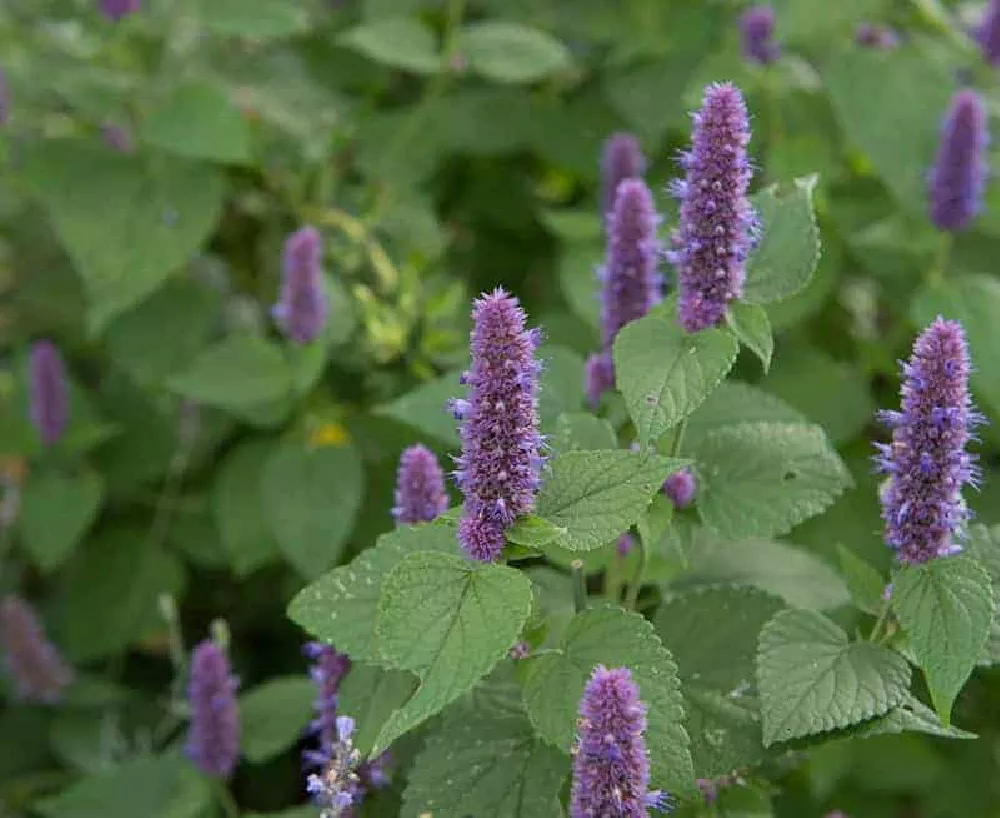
(621, 159)
(302, 310)
(32, 662)
(958, 177)
(610, 764)
(420, 491)
(214, 736)
(989, 33)
(926, 462)
(680, 488)
(49, 392)
(757, 35)
(717, 226)
(499, 468)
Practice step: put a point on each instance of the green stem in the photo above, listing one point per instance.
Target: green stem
(937, 270)
(579, 586)
(226, 800)
(640, 570)
(883, 615)
(675, 448)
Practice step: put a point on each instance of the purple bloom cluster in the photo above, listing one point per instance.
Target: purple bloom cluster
(871, 35)
(680, 488)
(116, 9)
(31, 661)
(336, 790)
(717, 225)
(625, 545)
(499, 468)
(420, 492)
(49, 392)
(926, 462)
(621, 159)
(757, 35)
(610, 765)
(302, 310)
(214, 736)
(958, 177)
(327, 671)
(989, 33)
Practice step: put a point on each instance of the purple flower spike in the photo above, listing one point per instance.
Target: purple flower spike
(600, 377)
(989, 34)
(4, 98)
(214, 736)
(621, 159)
(927, 464)
(757, 35)
(680, 488)
(328, 670)
(31, 661)
(118, 138)
(302, 310)
(49, 392)
(610, 765)
(420, 493)
(499, 468)
(870, 35)
(116, 9)
(958, 178)
(717, 225)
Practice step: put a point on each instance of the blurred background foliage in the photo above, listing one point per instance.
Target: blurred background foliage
(151, 168)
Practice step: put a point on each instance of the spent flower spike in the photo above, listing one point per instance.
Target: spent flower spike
(610, 763)
(499, 468)
(49, 392)
(926, 462)
(420, 490)
(757, 35)
(717, 228)
(302, 309)
(32, 662)
(957, 179)
(214, 736)
(621, 159)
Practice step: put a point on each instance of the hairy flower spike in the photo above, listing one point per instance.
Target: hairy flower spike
(926, 462)
(958, 177)
(31, 661)
(680, 487)
(757, 35)
(337, 789)
(498, 470)
(621, 159)
(989, 33)
(49, 392)
(610, 764)
(717, 225)
(302, 310)
(214, 736)
(599, 376)
(116, 9)
(327, 671)
(420, 492)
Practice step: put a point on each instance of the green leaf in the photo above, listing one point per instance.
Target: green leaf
(426, 408)
(310, 498)
(534, 532)
(340, 608)
(56, 511)
(198, 121)
(370, 695)
(166, 332)
(256, 19)
(750, 325)
(761, 479)
(592, 497)
(485, 762)
(665, 373)
(157, 787)
(399, 42)
(975, 301)
(274, 716)
(946, 608)
(561, 387)
(734, 403)
(511, 52)
(912, 716)
(614, 638)
(126, 223)
(984, 546)
(811, 679)
(712, 634)
(878, 94)
(238, 372)
(450, 621)
(578, 430)
(788, 251)
(237, 510)
(864, 582)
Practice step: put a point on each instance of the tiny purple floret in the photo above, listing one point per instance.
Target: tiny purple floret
(214, 736)
(420, 491)
(717, 226)
(958, 177)
(49, 392)
(302, 310)
(926, 463)
(621, 159)
(499, 468)
(757, 35)
(680, 487)
(31, 661)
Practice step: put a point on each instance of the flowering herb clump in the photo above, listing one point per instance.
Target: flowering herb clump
(926, 461)
(214, 736)
(498, 470)
(958, 177)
